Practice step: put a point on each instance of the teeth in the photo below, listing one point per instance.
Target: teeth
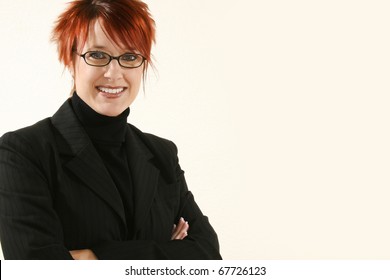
(111, 90)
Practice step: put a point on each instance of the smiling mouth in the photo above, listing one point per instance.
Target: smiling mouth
(111, 90)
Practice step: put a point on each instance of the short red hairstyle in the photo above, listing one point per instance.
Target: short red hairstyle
(126, 22)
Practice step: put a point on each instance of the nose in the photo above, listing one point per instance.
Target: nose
(113, 70)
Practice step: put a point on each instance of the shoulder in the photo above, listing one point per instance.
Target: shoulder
(155, 143)
(31, 139)
(36, 132)
(163, 152)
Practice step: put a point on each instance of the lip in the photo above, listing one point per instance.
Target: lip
(111, 95)
(106, 86)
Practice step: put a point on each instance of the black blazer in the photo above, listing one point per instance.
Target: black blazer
(56, 195)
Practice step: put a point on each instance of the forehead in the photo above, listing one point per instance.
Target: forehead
(97, 37)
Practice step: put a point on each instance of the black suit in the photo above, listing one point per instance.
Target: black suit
(56, 195)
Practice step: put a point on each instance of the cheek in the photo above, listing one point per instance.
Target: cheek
(137, 77)
(86, 77)
(134, 79)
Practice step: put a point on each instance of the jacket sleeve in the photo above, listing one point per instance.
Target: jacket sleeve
(29, 226)
(31, 229)
(201, 242)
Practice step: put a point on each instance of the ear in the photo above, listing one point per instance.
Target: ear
(72, 73)
(71, 69)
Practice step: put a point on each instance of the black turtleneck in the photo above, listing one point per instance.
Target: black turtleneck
(108, 136)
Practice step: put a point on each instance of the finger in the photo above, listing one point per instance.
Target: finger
(179, 225)
(181, 232)
(179, 229)
(76, 254)
(182, 235)
(173, 229)
(184, 231)
(175, 233)
(84, 254)
(73, 254)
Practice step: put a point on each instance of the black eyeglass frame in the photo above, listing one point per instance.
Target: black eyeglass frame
(117, 58)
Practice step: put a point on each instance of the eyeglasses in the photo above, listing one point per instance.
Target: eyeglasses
(100, 59)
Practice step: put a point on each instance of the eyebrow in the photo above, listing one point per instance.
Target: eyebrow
(97, 47)
(104, 48)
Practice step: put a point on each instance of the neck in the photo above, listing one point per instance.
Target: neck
(99, 127)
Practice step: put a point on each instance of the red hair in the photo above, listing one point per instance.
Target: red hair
(126, 22)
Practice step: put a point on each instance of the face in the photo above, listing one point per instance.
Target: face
(110, 89)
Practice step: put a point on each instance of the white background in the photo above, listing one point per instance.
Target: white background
(274, 270)
(280, 110)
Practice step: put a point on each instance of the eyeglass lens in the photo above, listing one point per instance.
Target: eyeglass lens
(96, 58)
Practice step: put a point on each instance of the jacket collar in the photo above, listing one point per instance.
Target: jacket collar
(86, 164)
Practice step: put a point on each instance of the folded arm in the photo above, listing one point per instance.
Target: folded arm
(31, 229)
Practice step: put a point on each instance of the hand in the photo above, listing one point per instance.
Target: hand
(85, 254)
(179, 231)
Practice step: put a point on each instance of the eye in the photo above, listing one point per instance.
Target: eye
(129, 57)
(96, 55)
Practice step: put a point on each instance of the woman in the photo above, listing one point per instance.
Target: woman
(84, 184)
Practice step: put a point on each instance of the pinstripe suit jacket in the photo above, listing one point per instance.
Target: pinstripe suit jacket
(56, 195)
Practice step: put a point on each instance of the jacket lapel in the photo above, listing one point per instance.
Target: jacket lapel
(84, 161)
(144, 175)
